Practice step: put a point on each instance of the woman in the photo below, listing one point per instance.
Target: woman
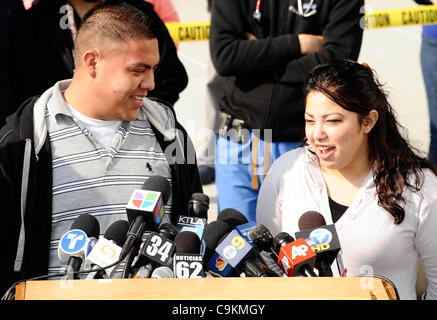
(357, 170)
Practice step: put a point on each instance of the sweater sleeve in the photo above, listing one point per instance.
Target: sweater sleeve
(232, 54)
(342, 40)
(426, 244)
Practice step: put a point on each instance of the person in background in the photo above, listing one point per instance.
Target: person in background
(214, 94)
(86, 143)
(42, 48)
(265, 49)
(356, 169)
(428, 60)
(165, 10)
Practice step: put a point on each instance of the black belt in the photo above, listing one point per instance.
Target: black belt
(229, 126)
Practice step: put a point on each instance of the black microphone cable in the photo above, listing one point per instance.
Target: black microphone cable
(10, 293)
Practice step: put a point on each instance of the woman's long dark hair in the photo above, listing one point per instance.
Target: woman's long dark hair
(355, 88)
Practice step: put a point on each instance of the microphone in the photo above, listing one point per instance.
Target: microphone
(168, 231)
(77, 243)
(232, 217)
(162, 272)
(197, 215)
(295, 257)
(142, 264)
(211, 236)
(193, 224)
(145, 209)
(144, 272)
(235, 248)
(156, 250)
(263, 240)
(187, 261)
(211, 259)
(322, 238)
(241, 255)
(198, 206)
(107, 249)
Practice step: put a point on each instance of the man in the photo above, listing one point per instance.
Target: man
(266, 49)
(41, 51)
(85, 144)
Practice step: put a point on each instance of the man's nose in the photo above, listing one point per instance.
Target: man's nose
(148, 83)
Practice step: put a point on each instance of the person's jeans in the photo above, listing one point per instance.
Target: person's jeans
(428, 59)
(233, 172)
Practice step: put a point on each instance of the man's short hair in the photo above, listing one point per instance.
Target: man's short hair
(114, 22)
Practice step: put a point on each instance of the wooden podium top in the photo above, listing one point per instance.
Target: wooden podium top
(298, 288)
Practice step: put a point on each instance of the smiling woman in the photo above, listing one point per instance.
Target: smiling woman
(355, 160)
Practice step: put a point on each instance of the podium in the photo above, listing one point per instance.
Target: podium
(298, 288)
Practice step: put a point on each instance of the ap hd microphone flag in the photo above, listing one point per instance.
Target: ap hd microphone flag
(322, 238)
(78, 242)
(296, 258)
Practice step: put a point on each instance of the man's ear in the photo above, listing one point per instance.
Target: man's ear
(89, 59)
(370, 120)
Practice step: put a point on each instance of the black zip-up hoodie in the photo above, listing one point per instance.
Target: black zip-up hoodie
(265, 76)
(26, 184)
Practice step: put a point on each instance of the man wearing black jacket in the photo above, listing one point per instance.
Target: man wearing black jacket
(56, 160)
(266, 49)
(39, 51)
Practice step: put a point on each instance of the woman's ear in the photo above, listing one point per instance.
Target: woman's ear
(370, 120)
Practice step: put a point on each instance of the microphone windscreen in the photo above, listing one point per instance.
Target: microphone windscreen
(198, 205)
(200, 197)
(167, 230)
(281, 239)
(214, 231)
(261, 237)
(162, 272)
(158, 184)
(311, 219)
(187, 242)
(88, 224)
(232, 217)
(117, 232)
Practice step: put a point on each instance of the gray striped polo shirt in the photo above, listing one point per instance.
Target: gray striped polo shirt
(87, 178)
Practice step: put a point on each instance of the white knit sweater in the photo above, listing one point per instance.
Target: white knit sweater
(370, 242)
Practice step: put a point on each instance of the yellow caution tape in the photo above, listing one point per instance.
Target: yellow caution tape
(401, 17)
(195, 31)
(191, 31)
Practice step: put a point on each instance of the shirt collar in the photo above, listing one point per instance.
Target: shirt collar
(58, 106)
